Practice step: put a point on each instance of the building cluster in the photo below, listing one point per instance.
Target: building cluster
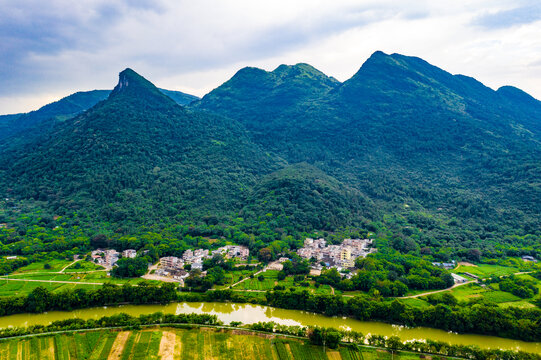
(528, 258)
(339, 256)
(445, 265)
(109, 258)
(174, 266)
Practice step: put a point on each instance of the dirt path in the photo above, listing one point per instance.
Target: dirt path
(152, 267)
(118, 345)
(53, 281)
(465, 263)
(167, 346)
(67, 266)
(521, 273)
(437, 291)
(246, 278)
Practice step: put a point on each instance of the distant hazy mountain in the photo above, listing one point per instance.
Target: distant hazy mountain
(66, 108)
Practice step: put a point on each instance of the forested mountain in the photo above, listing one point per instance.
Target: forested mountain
(442, 153)
(137, 155)
(52, 113)
(47, 116)
(441, 161)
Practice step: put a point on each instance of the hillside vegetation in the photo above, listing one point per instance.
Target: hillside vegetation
(431, 163)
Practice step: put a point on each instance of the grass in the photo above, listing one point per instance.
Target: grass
(12, 288)
(83, 266)
(415, 302)
(232, 277)
(56, 266)
(92, 277)
(203, 343)
(486, 270)
(269, 282)
(34, 272)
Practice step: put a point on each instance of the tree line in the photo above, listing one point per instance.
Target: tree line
(41, 299)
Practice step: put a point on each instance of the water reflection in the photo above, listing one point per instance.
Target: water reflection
(248, 314)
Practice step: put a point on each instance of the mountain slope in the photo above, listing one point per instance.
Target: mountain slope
(428, 146)
(57, 111)
(256, 97)
(402, 145)
(47, 116)
(304, 195)
(137, 155)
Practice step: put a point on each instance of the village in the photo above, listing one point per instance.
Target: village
(108, 258)
(341, 256)
(176, 269)
(173, 268)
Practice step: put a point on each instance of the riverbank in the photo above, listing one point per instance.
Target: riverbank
(249, 314)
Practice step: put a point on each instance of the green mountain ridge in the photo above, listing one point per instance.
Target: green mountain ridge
(403, 131)
(137, 154)
(305, 195)
(47, 116)
(438, 159)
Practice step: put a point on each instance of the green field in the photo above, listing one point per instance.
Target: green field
(231, 277)
(37, 275)
(55, 264)
(81, 266)
(175, 344)
(11, 288)
(271, 280)
(486, 270)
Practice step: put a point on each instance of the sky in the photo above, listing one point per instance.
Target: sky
(50, 49)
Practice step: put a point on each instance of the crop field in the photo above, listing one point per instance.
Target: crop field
(415, 302)
(89, 276)
(271, 280)
(232, 277)
(177, 344)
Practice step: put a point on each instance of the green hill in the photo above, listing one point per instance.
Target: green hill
(44, 118)
(440, 160)
(439, 152)
(302, 194)
(137, 155)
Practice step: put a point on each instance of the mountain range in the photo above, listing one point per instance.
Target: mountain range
(66, 108)
(439, 158)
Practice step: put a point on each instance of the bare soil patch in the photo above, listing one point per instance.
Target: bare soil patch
(465, 263)
(167, 345)
(118, 345)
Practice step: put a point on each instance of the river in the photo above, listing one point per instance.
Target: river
(247, 314)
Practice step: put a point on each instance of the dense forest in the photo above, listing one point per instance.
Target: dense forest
(431, 164)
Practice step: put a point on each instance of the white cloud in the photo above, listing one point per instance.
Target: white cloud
(194, 46)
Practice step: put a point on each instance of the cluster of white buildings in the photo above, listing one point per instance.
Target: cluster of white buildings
(109, 258)
(172, 265)
(339, 256)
